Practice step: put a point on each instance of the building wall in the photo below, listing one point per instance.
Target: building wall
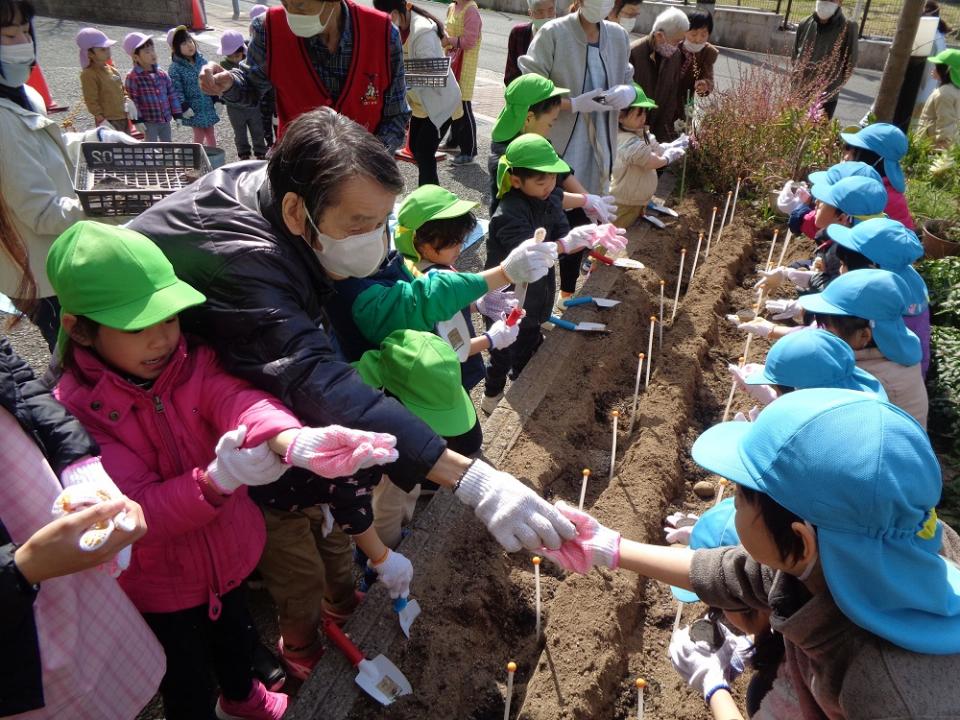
(155, 13)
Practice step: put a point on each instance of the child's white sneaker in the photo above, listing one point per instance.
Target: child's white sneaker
(489, 404)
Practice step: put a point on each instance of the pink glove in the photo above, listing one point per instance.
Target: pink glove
(763, 394)
(751, 415)
(335, 451)
(611, 238)
(580, 237)
(593, 546)
(679, 526)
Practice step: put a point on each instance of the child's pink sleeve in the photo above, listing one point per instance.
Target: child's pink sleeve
(808, 227)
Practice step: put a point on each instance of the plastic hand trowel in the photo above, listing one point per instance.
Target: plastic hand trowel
(586, 300)
(617, 262)
(407, 611)
(379, 678)
(581, 326)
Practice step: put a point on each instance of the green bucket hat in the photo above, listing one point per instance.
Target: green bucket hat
(642, 100)
(115, 277)
(426, 203)
(530, 151)
(520, 94)
(423, 373)
(950, 58)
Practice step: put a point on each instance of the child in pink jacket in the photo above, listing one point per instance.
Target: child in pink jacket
(185, 439)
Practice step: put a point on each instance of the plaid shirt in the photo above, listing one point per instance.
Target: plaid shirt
(251, 80)
(152, 93)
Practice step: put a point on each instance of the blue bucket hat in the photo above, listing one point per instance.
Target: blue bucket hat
(862, 472)
(890, 245)
(836, 173)
(877, 296)
(715, 528)
(889, 142)
(859, 197)
(814, 359)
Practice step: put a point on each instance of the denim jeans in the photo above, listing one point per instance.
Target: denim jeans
(158, 132)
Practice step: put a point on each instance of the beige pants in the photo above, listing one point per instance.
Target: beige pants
(392, 508)
(305, 571)
(627, 215)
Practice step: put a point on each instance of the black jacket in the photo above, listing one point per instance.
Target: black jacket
(265, 293)
(63, 441)
(516, 219)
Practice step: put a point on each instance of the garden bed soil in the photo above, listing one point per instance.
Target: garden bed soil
(605, 628)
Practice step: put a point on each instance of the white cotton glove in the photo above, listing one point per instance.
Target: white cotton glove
(620, 96)
(236, 465)
(704, 669)
(678, 527)
(601, 209)
(496, 303)
(763, 394)
(187, 114)
(757, 326)
(789, 198)
(772, 279)
(682, 142)
(784, 309)
(502, 335)
(587, 102)
(130, 108)
(529, 261)
(751, 415)
(514, 514)
(395, 572)
(109, 135)
(578, 238)
(672, 154)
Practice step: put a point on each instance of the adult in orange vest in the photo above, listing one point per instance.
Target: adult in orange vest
(322, 53)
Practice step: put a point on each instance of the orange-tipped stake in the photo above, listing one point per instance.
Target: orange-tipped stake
(733, 207)
(511, 669)
(583, 488)
(696, 256)
(536, 580)
(733, 390)
(783, 250)
(662, 284)
(720, 488)
(636, 392)
(713, 217)
(613, 450)
(640, 684)
(773, 244)
(646, 382)
(676, 295)
(723, 219)
(676, 620)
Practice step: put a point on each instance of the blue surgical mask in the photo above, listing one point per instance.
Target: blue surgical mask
(16, 62)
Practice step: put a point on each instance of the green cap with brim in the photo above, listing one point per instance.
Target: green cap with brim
(520, 95)
(426, 203)
(423, 373)
(530, 151)
(116, 277)
(950, 58)
(642, 100)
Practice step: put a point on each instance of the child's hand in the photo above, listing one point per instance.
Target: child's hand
(593, 546)
(751, 415)
(502, 335)
(758, 326)
(705, 669)
(497, 302)
(336, 451)
(599, 208)
(187, 114)
(236, 465)
(529, 261)
(578, 238)
(678, 527)
(763, 394)
(784, 309)
(610, 238)
(673, 153)
(395, 572)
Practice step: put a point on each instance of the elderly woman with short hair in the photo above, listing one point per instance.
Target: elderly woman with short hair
(540, 11)
(657, 63)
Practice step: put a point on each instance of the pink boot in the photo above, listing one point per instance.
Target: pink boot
(260, 705)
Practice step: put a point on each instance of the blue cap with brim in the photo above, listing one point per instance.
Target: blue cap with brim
(862, 472)
(889, 245)
(875, 295)
(715, 528)
(889, 142)
(836, 173)
(859, 197)
(814, 359)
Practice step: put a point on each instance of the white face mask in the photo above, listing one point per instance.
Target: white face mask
(825, 9)
(306, 26)
(628, 23)
(694, 47)
(593, 11)
(17, 61)
(352, 256)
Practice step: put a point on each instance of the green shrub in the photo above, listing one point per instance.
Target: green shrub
(942, 277)
(943, 389)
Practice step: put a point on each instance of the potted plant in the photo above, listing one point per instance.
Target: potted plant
(941, 238)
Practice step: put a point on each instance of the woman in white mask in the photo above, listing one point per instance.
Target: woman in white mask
(589, 55)
(36, 165)
(699, 57)
(825, 52)
(625, 14)
(657, 62)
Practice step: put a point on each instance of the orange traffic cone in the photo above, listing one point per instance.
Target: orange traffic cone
(405, 154)
(39, 83)
(199, 18)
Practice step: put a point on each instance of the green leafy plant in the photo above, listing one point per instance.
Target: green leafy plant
(942, 277)
(943, 389)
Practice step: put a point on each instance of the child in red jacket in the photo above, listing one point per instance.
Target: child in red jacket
(158, 407)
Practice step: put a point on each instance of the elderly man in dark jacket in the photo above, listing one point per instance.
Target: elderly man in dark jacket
(657, 65)
(825, 52)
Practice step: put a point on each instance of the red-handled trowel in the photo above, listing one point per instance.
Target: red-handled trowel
(379, 678)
